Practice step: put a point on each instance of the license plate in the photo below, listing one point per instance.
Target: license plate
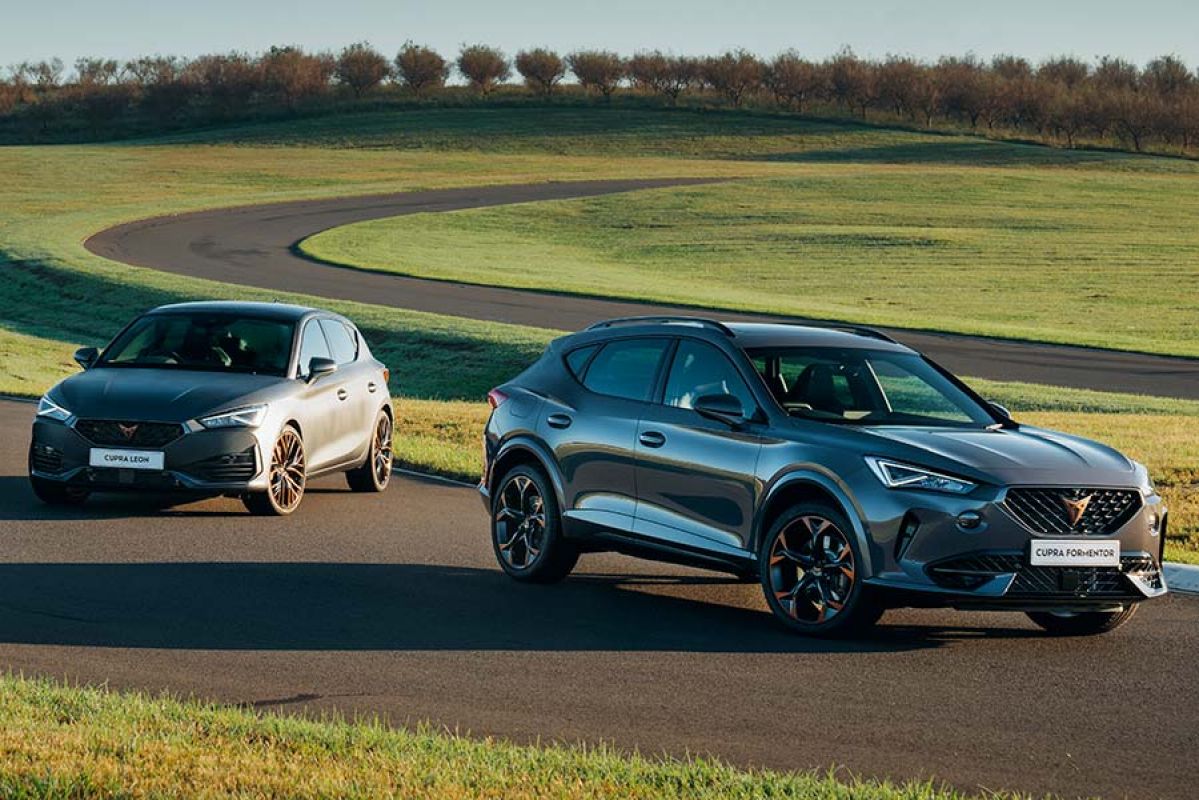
(126, 459)
(1073, 553)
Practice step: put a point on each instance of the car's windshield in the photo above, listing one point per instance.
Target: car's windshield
(865, 387)
(204, 341)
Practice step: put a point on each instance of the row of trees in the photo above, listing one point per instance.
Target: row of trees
(1064, 99)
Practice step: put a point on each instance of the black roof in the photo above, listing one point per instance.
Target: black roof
(276, 311)
(751, 335)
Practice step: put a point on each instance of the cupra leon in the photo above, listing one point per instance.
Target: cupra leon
(243, 399)
(846, 472)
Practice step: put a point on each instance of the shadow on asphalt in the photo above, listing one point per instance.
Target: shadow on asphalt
(17, 503)
(394, 607)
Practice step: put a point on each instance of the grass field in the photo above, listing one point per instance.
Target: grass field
(55, 295)
(67, 743)
(1108, 259)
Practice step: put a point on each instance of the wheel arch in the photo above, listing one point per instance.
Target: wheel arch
(808, 486)
(526, 450)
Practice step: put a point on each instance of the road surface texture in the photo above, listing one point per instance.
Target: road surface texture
(392, 605)
(255, 246)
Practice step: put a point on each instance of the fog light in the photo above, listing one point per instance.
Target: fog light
(970, 520)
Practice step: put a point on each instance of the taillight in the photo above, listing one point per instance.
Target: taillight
(386, 375)
(496, 398)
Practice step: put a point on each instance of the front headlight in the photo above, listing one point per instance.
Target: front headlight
(905, 476)
(248, 417)
(51, 410)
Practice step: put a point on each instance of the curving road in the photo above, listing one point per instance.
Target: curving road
(392, 605)
(255, 246)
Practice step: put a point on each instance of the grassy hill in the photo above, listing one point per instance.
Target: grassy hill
(846, 221)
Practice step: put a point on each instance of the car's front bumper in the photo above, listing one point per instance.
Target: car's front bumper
(199, 460)
(943, 564)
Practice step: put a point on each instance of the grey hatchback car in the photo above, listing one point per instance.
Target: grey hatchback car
(844, 471)
(242, 399)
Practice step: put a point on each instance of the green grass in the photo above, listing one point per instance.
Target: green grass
(69, 743)
(1108, 259)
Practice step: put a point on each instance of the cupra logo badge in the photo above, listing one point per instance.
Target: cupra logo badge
(129, 431)
(1076, 508)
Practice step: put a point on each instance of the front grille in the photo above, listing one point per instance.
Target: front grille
(1047, 511)
(113, 433)
(229, 468)
(972, 571)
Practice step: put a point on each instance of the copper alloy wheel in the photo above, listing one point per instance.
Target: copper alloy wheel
(811, 569)
(381, 448)
(287, 471)
(520, 522)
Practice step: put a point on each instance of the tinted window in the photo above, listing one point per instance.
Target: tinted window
(212, 342)
(699, 369)
(626, 368)
(341, 342)
(577, 359)
(312, 345)
(866, 387)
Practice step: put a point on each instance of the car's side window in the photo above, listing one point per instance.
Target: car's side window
(576, 359)
(341, 343)
(700, 369)
(312, 345)
(626, 368)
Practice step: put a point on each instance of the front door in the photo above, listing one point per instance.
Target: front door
(696, 482)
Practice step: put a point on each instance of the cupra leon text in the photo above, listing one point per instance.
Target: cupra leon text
(846, 472)
(243, 399)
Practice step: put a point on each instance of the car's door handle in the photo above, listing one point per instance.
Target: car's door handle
(342, 394)
(652, 439)
(372, 386)
(558, 421)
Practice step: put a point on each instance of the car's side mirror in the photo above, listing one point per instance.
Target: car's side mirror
(319, 367)
(1000, 409)
(86, 357)
(721, 407)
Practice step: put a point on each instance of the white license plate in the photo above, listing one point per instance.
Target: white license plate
(126, 459)
(1074, 553)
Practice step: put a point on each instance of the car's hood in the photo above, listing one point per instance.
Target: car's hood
(164, 395)
(1013, 456)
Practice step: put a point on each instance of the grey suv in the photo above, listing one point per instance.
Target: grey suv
(846, 472)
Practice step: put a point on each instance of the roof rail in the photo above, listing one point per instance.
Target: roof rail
(665, 320)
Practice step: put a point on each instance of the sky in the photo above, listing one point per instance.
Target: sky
(1035, 29)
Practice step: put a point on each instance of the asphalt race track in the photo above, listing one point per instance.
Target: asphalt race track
(254, 246)
(392, 605)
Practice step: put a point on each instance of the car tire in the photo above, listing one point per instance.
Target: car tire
(375, 472)
(53, 493)
(810, 566)
(1089, 623)
(286, 478)
(526, 528)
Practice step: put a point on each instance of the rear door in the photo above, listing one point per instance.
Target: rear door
(696, 477)
(592, 429)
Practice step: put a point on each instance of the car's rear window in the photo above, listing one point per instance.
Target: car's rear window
(576, 360)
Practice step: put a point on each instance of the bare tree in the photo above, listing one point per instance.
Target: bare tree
(484, 67)
(599, 70)
(227, 81)
(965, 87)
(1011, 67)
(792, 79)
(421, 68)
(734, 74)
(851, 81)
(1116, 73)
(295, 76)
(97, 71)
(663, 74)
(1064, 71)
(361, 67)
(896, 84)
(1167, 76)
(541, 69)
(160, 83)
